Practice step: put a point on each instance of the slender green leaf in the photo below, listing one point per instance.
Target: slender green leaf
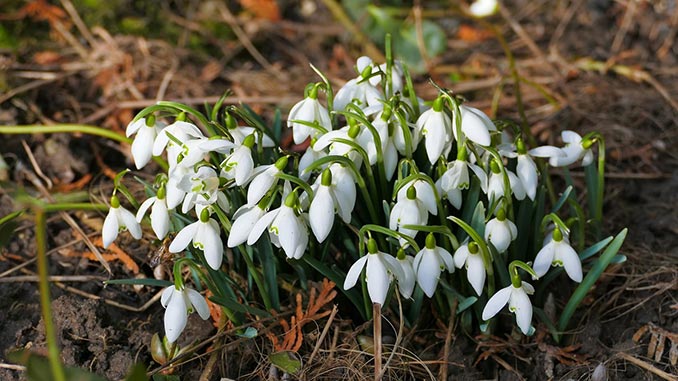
(144, 282)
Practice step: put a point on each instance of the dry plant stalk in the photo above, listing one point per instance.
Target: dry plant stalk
(657, 344)
(294, 337)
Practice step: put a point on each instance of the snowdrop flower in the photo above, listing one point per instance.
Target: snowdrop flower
(285, 228)
(396, 76)
(179, 302)
(475, 125)
(575, 149)
(496, 187)
(265, 177)
(205, 235)
(558, 252)
(379, 267)
(425, 195)
(353, 132)
(436, 127)
(181, 131)
(526, 169)
(500, 231)
(201, 188)
(329, 196)
(307, 159)
(142, 147)
(174, 192)
(244, 220)
(240, 133)
(239, 165)
(388, 146)
(408, 211)
(429, 263)
(468, 255)
(407, 282)
(518, 301)
(359, 90)
(308, 110)
(160, 221)
(118, 219)
(484, 8)
(456, 178)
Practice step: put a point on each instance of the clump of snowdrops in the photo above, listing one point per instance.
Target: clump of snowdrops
(382, 192)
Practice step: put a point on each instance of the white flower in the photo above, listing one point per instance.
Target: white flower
(436, 127)
(455, 179)
(407, 282)
(388, 146)
(179, 303)
(239, 165)
(264, 178)
(359, 90)
(379, 267)
(201, 188)
(244, 220)
(558, 252)
(408, 211)
(174, 193)
(331, 194)
(396, 76)
(205, 235)
(496, 187)
(285, 228)
(429, 263)
(500, 231)
(308, 158)
(526, 169)
(518, 301)
(118, 219)
(473, 261)
(311, 111)
(475, 125)
(332, 139)
(179, 130)
(573, 151)
(142, 146)
(160, 221)
(484, 8)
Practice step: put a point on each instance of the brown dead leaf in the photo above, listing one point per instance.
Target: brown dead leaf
(262, 9)
(471, 34)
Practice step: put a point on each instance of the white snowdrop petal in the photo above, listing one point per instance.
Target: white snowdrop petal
(260, 226)
(446, 258)
(461, 255)
(183, 238)
(354, 272)
(166, 295)
(544, 258)
(109, 231)
(520, 302)
(496, 302)
(243, 225)
(212, 246)
(160, 221)
(198, 302)
(175, 318)
(568, 256)
(476, 273)
(143, 208)
(130, 222)
(428, 272)
(321, 213)
(377, 279)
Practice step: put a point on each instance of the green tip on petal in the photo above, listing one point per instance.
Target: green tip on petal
(411, 193)
(372, 246)
(115, 202)
(326, 179)
(430, 241)
(205, 215)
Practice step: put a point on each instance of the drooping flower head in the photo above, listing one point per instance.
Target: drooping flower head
(179, 302)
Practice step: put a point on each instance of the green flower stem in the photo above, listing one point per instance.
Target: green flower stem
(75, 206)
(297, 181)
(50, 334)
(598, 215)
(254, 272)
(484, 251)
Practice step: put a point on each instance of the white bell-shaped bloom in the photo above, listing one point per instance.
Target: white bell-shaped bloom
(483, 8)
(436, 128)
(475, 125)
(455, 179)
(558, 252)
(526, 169)
(205, 235)
(160, 220)
(360, 90)
(408, 211)
(117, 220)
(425, 194)
(331, 195)
(309, 156)
(142, 146)
(496, 187)
(500, 231)
(396, 76)
(180, 131)
(308, 110)
(201, 188)
(388, 147)
(472, 260)
(179, 303)
(408, 281)
(518, 301)
(239, 165)
(429, 263)
(285, 228)
(573, 151)
(356, 133)
(244, 220)
(174, 192)
(380, 266)
(264, 178)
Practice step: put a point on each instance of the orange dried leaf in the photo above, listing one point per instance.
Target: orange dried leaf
(470, 34)
(262, 9)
